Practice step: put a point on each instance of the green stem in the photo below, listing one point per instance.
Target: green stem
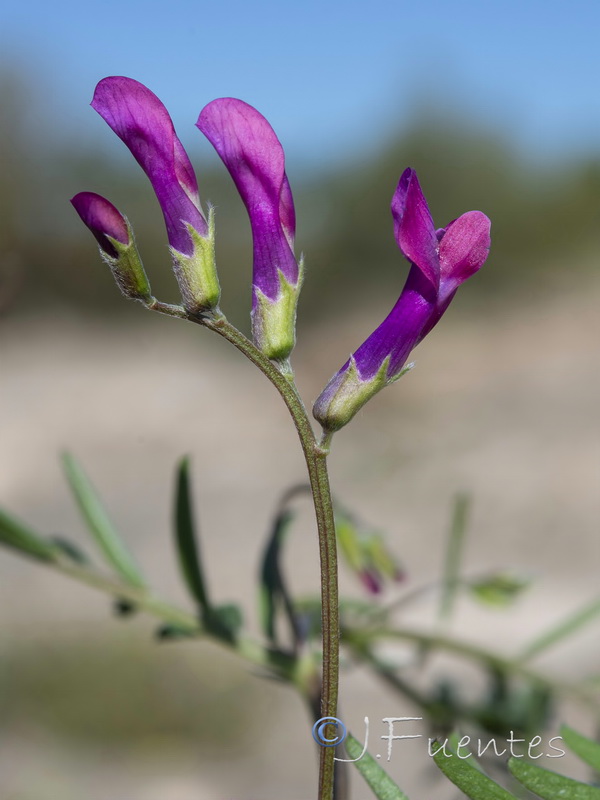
(316, 461)
(246, 647)
(361, 642)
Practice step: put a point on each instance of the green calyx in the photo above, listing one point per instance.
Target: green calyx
(274, 321)
(127, 268)
(351, 394)
(197, 274)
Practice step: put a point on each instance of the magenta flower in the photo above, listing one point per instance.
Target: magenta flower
(139, 118)
(117, 247)
(103, 219)
(440, 261)
(252, 153)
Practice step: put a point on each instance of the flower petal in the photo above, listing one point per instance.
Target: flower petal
(414, 228)
(103, 219)
(464, 247)
(400, 331)
(253, 154)
(139, 118)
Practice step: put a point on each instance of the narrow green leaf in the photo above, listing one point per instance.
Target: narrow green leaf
(456, 536)
(587, 749)
(273, 591)
(186, 538)
(565, 628)
(468, 778)
(376, 777)
(99, 524)
(19, 536)
(550, 785)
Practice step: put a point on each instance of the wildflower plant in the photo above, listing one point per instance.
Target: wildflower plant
(440, 260)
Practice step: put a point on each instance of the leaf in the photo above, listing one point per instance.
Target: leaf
(186, 538)
(468, 778)
(273, 592)
(70, 550)
(559, 632)
(550, 785)
(377, 778)
(19, 536)
(99, 524)
(451, 576)
(587, 749)
(500, 589)
(223, 621)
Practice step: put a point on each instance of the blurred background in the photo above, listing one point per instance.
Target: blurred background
(494, 105)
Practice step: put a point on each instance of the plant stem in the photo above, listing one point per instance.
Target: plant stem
(361, 642)
(187, 622)
(316, 462)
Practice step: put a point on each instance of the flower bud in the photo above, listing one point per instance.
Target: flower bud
(117, 246)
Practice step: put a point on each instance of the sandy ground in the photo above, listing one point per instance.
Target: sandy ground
(504, 406)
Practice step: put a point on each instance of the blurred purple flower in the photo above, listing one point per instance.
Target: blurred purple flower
(251, 151)
(139, 118)
(440, 261)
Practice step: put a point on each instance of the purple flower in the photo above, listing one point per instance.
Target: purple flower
(139, 118)
(440, 261)
(117, 247)
(103, 219)
(252, 153)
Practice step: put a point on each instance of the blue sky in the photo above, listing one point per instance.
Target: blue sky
(331, 77)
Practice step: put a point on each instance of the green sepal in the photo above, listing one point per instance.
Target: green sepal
(351, 395)
(274, 321)
(197, 274)
(127, 268)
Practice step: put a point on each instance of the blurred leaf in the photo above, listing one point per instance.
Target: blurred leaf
(169, 632)
(557, 633)
(550, 785)
(500, 589)
(468, 778)
(227, 617)
(454, 550)
(19, 536)
(72, 551)
(273, 592)
(99, 524)
(587, 749)
(186, 538)
(376, 777)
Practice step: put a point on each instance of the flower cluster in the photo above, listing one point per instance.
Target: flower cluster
(440, 259)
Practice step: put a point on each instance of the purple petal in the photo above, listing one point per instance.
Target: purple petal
(401, 330)
(139, 118)
(464, 247)
(252, 153)
(103, 219)
(413, 226)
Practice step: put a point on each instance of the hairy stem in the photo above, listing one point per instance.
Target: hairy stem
(316, 461)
